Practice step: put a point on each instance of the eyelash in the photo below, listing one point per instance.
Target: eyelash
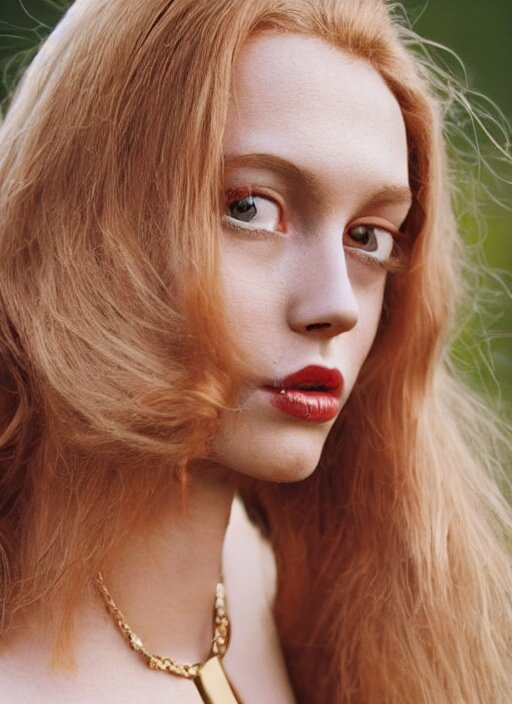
(261, 234)
(394, 264)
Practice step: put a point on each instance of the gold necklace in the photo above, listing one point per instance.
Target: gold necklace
(209, 677)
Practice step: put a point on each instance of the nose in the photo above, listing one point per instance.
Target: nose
(323, 302)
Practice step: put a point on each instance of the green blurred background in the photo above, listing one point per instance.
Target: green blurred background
(479, 33)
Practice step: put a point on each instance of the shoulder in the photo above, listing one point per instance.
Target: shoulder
(18, 673)
(246, 545)
(254, 660)
(104, 675)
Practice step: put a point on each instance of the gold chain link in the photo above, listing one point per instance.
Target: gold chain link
(220, 638)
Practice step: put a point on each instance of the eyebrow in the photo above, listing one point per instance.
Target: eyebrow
(389, 194)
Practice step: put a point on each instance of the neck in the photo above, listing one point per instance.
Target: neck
(164, 580)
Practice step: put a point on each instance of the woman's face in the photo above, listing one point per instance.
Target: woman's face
(316, 186)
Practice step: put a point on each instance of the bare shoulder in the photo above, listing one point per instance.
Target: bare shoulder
(16, 685)
(246, 545)
(104, 675)
(110, 675)
(254, 660)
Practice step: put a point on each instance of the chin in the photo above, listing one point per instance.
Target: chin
(275, 452)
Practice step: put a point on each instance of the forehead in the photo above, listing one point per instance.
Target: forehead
(308, 102)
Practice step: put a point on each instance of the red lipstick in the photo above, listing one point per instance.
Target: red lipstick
(311, 394)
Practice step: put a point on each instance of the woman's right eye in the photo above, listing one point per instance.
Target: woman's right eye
(252, 212)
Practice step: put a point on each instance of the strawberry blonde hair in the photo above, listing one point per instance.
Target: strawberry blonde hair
(393, 572)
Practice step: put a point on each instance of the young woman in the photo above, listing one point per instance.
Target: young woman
(228, 263)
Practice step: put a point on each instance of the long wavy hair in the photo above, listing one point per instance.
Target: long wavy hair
(393, 574)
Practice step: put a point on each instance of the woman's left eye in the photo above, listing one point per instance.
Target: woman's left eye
(253, 212)
(371, 239)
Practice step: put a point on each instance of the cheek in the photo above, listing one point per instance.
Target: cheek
(370, 309)
(254, 298)
(369, 286)
(354, 346)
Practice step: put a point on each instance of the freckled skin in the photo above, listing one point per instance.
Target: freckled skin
(331, 116)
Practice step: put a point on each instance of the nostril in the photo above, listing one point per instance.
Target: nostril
(317, 326)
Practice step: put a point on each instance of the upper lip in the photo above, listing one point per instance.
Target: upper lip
(318, 378)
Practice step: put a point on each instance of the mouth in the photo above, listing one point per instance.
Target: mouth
(311, 394)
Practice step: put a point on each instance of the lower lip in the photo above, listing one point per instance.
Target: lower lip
(312, 406)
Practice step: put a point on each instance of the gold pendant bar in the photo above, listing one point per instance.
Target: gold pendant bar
(213, 684)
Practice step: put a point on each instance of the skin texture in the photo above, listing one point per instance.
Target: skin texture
(304, 294)
(298, 295)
